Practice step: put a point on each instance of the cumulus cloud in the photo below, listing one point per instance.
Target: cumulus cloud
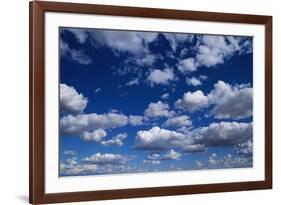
(106, 158)
(231, 101)
(198, 140)
(158, 109)
(161, 77)
(136, 120)
(72, 160)
(212, 50)
(171, 155)
(193, 81)
(224, 134)
(96, 135)
(71, 101)
(124, 41)
(117, 140)
(193, 101)
(159, 139)
(187, 65)
(76, 125)
(212, 159)
(178, 121)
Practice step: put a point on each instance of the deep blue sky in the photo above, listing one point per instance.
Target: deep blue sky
(121, 73)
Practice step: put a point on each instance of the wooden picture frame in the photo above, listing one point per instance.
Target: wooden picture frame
(37, 193)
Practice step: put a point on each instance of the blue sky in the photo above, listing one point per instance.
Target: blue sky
(133, 101)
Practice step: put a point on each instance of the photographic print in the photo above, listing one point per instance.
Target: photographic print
(139, 101)
(129, 102)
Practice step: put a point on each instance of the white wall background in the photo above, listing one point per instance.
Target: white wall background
(14, 100)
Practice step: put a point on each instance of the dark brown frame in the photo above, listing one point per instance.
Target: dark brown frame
(37, 194)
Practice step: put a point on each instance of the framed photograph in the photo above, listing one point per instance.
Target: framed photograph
(138, 102)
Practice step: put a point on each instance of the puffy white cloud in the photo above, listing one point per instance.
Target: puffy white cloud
(224, 134)
(231, 101)
(212, 50)
(72, 160)
(162, 77)
(187, 65)
(210, 55)
(117, 140)
(136, 120)
(96, 135)
(178, 121)
(157, 139)
(216, 49)
(106, 158)
(73, 54)
(160, 139)
(193, 81)
(171, 155)
(193, 101)
(124, 41)
(198, 140)
(71, 101)
(234, 102)
(76, 125)
(212, 159)
(158, 109)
